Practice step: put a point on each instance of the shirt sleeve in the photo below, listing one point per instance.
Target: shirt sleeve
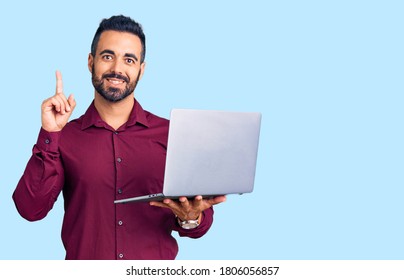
(201, 229)
(42, 180)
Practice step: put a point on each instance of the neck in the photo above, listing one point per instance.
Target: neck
(114, 114)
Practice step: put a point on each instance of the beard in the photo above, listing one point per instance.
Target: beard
(113, 94)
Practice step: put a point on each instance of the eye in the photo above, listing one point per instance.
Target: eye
(130, 61)
(107, 57)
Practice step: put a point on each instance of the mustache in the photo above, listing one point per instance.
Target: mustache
(115, 76)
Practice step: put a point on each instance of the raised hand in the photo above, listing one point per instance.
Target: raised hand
(56, 110)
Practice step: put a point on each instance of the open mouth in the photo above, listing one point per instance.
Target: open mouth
(115, 81)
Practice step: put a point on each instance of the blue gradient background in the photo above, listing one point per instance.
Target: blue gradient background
(326, 75)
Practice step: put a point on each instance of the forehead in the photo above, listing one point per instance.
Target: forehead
(119, 42)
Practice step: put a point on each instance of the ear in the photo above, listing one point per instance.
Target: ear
(90, 62)
(142, 68)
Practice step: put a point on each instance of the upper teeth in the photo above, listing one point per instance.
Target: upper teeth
(115, 82)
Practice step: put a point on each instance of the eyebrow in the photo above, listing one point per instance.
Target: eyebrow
(131, 55)
(113, 53)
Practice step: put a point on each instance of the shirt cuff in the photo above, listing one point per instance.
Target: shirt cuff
(48, 141)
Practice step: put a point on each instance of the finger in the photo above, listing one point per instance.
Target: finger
(62, 101)
(216, 200)
(198, 201)
(47, 105)
(173, 205)
(72, 102)
(66, 102)
(184, 202)
(59, 82)
(51, 103)
(158, 204)
(166, 203)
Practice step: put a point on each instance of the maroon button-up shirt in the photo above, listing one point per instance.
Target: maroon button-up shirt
(94, 165)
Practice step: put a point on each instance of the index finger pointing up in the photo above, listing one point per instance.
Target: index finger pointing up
(59, 82)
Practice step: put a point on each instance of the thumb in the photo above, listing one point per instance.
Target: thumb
(72, 102)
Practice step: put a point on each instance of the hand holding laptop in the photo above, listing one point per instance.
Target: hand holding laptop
(186, 209)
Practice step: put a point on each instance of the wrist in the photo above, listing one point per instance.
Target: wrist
(190, 223)
(48, 141)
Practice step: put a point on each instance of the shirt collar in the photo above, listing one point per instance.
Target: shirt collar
(92, 117)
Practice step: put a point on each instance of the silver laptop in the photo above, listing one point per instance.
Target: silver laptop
(209, 153)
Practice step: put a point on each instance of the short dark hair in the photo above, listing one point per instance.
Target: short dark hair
(123, 24)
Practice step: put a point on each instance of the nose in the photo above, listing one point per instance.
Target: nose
(117, 67)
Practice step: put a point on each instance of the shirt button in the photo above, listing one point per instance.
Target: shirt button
(120, 256)
(47, 141)
(120, 223)
(119, 191)
(119, 159)
(116, 132)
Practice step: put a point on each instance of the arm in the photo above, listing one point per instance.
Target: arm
(43, 177)
(42, 180)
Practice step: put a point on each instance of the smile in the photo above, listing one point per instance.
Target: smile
(115, 81)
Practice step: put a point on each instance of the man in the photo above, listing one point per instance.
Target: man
(115, 150)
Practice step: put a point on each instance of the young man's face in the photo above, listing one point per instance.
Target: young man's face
(116, 66)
